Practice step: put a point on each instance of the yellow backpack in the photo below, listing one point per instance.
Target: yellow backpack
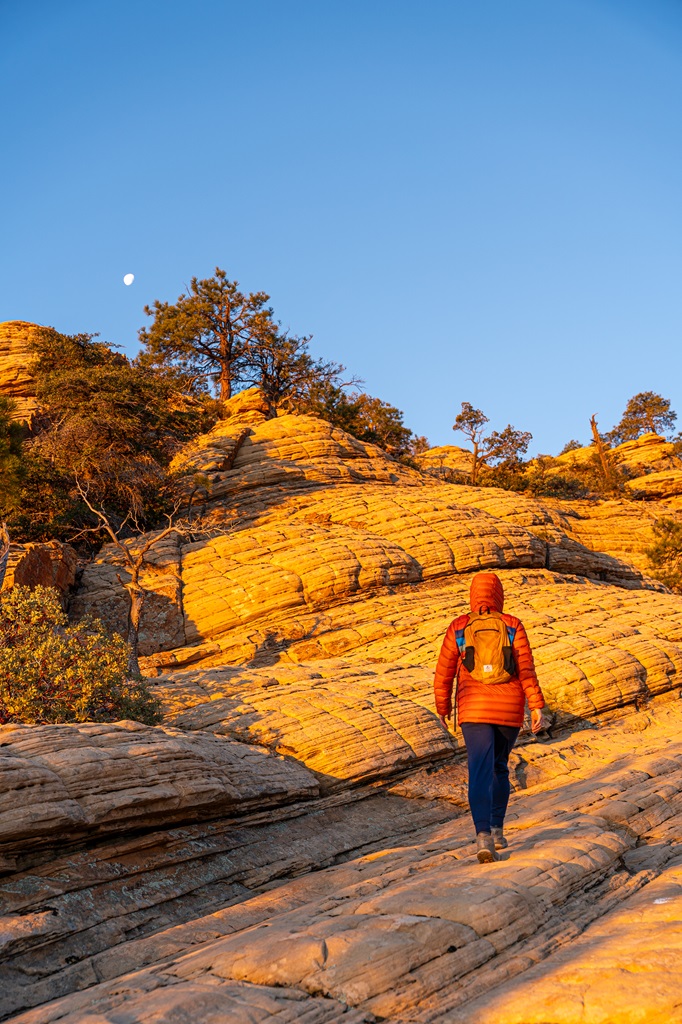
(488, 655)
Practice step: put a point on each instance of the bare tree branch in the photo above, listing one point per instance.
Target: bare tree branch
(4, 551)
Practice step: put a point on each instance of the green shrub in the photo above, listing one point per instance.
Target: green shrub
(52, 672)
(665, 554)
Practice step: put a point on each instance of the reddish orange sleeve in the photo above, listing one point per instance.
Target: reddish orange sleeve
(525, 667)
(446, 668)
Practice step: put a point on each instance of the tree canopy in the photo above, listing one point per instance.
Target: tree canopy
(499, 447)
(646, 412)
(665, 554)
(109, 422)
(209, 332)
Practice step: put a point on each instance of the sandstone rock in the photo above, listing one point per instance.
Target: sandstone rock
(16, 356)
(301, 516)
(623, 969)
(298, 699)
(666, 484)
(101, 593)
(247, 405)
(80, 780)
(47, 565)
(447, 461)
(214, 1001)
(597, 648)
(291, 451)
(164, 892)
(646, 454)
(263, 571)
(405, 930)
(604, 540)
(343, 723)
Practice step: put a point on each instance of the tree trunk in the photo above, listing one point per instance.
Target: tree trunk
(474, 464)
(225, 382)
(137, 596)
(602, 452)
(226, 357)
(4, 552)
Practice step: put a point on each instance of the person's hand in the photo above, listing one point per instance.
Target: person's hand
(444, 722)
(540, 719)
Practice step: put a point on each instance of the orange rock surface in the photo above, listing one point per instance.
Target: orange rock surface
(294, 843)
(15, 358)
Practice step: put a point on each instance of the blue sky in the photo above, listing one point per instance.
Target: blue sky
(461, 201)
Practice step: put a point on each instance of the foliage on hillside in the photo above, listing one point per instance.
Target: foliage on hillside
(11, 435)
(223, 339)
(108, 423)
(52, 672)
(112, 425)
(665, 554)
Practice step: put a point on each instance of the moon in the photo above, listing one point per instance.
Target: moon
(129, 278)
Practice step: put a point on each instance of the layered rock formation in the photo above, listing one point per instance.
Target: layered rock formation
(371, 906)
(447, 461)
(15, 359)
(652, 464)
(294, 843)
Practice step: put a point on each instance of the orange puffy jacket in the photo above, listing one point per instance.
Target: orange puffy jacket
(494, 703)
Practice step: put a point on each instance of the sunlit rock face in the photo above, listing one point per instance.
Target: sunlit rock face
(46, 565)
(16, 356)
(293, 843)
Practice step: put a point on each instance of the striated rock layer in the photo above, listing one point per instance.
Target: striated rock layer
(294, 843)
(396, 920)
(16, 355)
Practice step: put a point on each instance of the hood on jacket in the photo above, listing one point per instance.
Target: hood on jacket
(486, 592)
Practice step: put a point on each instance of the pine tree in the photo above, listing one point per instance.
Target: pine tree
(646, 412)
(208, 332)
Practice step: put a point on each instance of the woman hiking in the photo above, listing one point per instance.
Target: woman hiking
(489, 654)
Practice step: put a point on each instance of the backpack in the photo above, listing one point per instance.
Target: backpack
(485, 647)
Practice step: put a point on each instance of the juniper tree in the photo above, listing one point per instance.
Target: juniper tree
(289, 377)
(505, 446)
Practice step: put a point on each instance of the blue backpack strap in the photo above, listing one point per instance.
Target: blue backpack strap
(461, 642)
(459, 638)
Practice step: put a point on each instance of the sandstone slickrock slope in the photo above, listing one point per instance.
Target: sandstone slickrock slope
(294, 843)
(400, 927)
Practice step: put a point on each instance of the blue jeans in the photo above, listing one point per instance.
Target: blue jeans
(488, 750)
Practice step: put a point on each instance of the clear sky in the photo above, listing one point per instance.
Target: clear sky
(462, 200)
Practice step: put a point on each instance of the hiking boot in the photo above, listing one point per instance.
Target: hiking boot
(485, 848)
(498, 838)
